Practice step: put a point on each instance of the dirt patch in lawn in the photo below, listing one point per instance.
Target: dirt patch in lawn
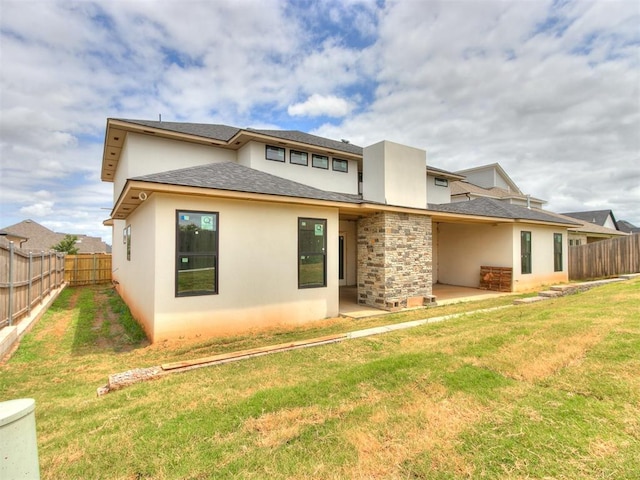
(59, 321)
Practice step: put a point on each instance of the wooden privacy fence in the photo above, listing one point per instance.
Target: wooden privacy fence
(606, 258)
(87, 269)
(25, 280)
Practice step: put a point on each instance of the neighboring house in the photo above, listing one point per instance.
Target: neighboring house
(490, 181)
(588, 232)
(604, 218)
(37, 238)
(225, 230)
(6, 237)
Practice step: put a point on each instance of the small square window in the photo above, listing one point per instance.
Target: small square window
(340, 165)
(320, 161)
(298, 158)
(275, 153)
(441, 182)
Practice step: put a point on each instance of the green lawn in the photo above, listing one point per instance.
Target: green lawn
(547, 390)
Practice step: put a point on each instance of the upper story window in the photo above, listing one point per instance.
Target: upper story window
(298, 158)
(275, 153)
(320, 161)
(340, 165)
(441, 182)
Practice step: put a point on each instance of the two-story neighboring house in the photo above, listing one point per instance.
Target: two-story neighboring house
(490, 181)
(219, 230)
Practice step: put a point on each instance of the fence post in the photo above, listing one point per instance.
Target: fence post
(10, 312)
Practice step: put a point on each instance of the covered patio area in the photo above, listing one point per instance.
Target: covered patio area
(445, 295)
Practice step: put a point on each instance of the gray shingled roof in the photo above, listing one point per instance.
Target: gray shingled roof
(216, 132)
(627, 227)
(490, 207)
(238, 178)
(301, 137)
(599, 217)
(226, 133)
(443, 172)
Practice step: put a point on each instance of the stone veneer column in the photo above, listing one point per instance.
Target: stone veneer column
(394, 260)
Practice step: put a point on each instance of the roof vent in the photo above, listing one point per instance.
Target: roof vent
(344, 140)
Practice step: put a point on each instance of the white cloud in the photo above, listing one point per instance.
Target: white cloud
(38, 209)
(318, 105)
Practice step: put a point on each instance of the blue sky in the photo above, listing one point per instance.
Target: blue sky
(548, 89)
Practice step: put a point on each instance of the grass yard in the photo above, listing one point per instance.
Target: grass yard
(547, 390)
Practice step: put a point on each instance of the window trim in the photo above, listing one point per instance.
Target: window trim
(299, 152)
(216, 255)
(324, 252)
(440, 182)
(558, 259)
(340, 160)
(313, 161)
(268, 148)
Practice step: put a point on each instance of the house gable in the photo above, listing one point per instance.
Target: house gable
(604, 218)
(489, 176)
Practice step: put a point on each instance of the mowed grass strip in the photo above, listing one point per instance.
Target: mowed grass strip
(548, 390)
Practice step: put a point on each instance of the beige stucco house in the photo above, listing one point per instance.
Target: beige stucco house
(219, 230)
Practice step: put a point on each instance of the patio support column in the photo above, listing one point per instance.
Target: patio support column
(394, 260)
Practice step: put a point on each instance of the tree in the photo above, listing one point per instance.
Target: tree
(67, 245)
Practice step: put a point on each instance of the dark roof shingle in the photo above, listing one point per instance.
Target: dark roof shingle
(599, 217)
(213, 131)
(226, 133)
(314, 140)
(234, 177)
(490, 207)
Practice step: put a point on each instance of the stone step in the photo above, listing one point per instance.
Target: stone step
(563, 288)
(522, 301)
(550, 293)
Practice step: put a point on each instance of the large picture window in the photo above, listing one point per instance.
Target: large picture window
(196, 253)
(312, 253)
(557, 252)
(525, 252)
